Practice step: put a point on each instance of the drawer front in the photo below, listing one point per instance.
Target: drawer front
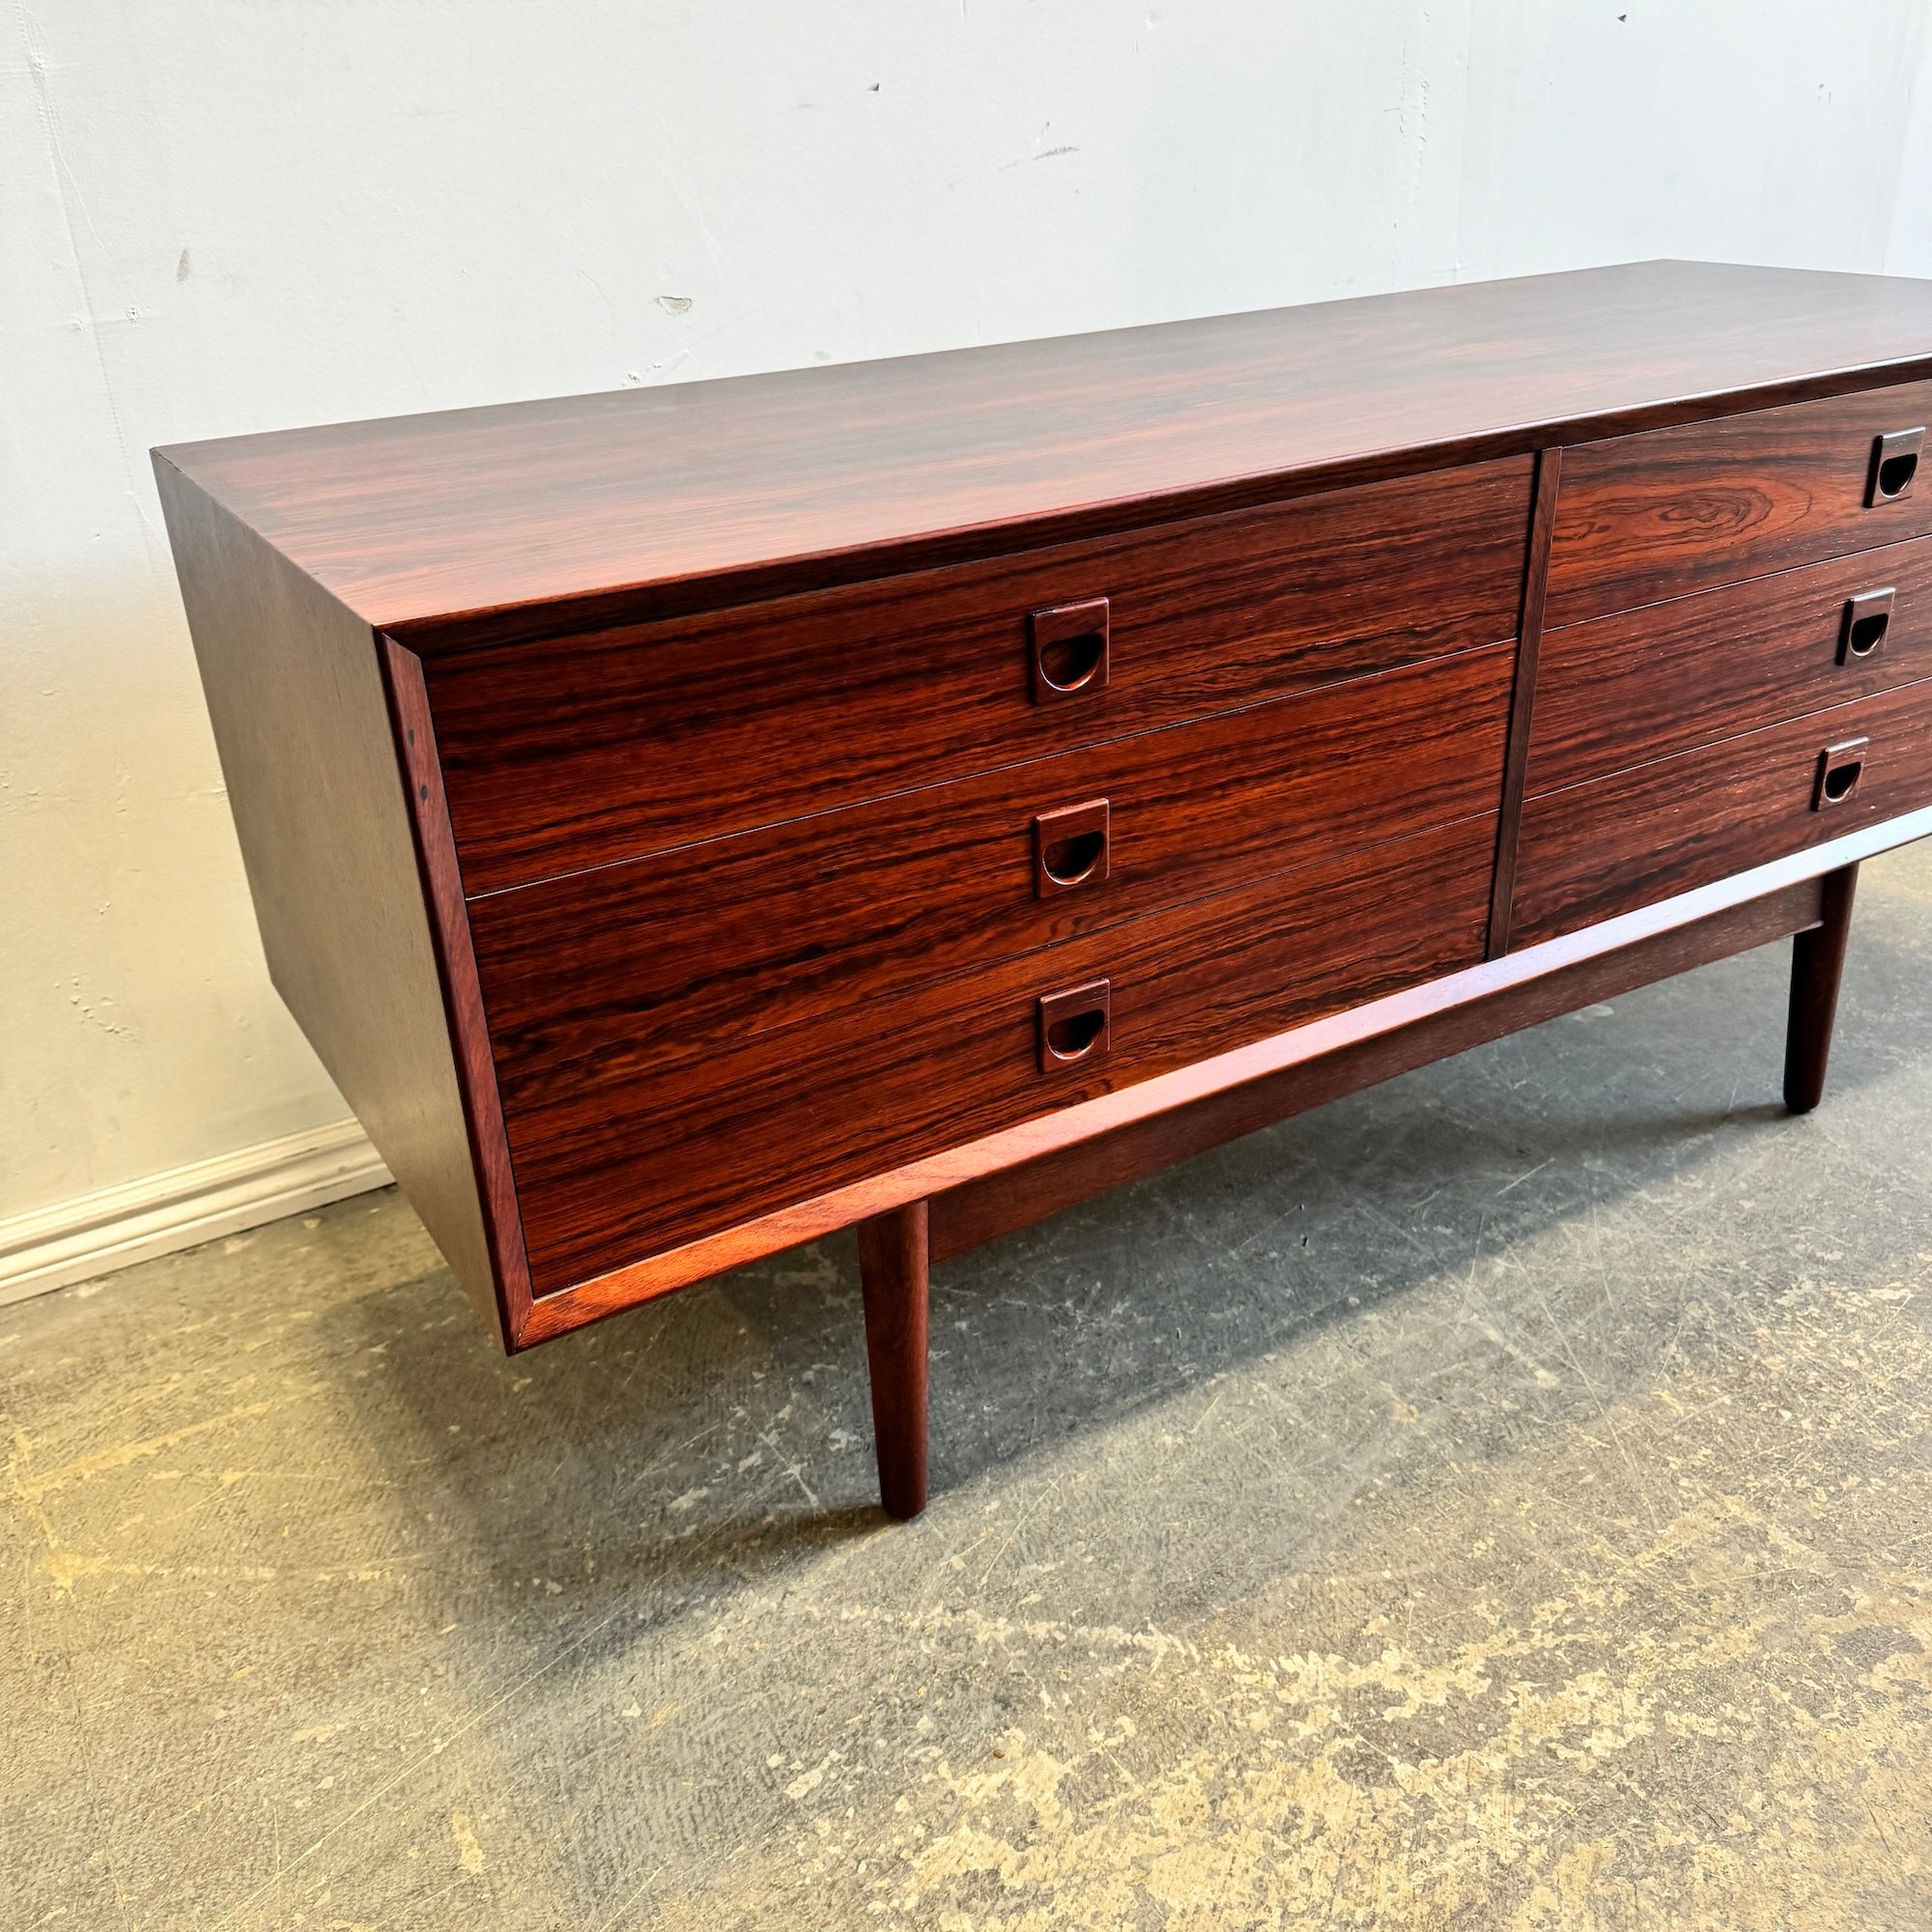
(627, 1157)
(1642, 518)
(692, 949)
(1644, 834)
(564, 754)
(1643, 684)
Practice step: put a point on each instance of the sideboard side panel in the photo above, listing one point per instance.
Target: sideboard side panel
(463, 994)
(302, 722)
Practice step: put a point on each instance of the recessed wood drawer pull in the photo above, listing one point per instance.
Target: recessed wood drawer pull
(1070, 649)
(1895, 464)
(1070, 848)
(1867, 617)
(1073, 1025)
(1840, 767)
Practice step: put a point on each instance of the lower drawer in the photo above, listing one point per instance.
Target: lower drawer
(629, 1157)
(1592, 851)
(1643, 684)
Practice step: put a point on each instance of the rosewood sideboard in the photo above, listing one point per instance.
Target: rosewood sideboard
(925, 793)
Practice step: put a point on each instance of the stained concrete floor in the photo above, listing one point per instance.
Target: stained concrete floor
(1500, 1500)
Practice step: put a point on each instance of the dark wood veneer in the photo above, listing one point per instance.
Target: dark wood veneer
(1013, 1152)
(636, 1152)
(422, 775)
(988, 1205)
(1642, 518)
(509, 520)
(681, 955)
(1642, 684)
(921, 795)
(593, 748)
(295, 694)
(1660, 829)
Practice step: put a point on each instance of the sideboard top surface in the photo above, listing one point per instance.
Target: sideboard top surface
(466, 525)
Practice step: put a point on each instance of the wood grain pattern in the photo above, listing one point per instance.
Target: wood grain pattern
(447, 528)
(295, 694)
(690, 952)
(1642, 517)
(1642, 684)
(1522, 694)
(1660, 829)
(593, 748)
(984, 1209)
(632, 1153)
(1011, 1147)
(664, 769)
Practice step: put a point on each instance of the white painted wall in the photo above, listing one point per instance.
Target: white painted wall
(222, 215)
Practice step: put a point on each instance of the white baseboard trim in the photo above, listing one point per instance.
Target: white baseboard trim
(93, 1233)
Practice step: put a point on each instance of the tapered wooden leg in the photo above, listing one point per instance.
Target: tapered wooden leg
(1817, 963)
(892, 1275)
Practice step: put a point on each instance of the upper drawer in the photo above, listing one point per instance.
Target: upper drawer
(1640, 518)
(570, 752)
(1642, 684)
(690, 951)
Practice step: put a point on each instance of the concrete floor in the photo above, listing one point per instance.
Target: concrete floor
(1501, 1500)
